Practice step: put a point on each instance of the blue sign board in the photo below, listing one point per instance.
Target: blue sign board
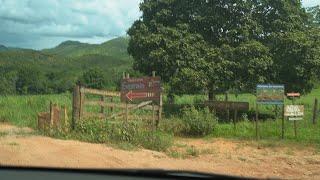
(270, 94)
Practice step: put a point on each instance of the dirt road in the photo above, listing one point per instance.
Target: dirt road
(215, 155)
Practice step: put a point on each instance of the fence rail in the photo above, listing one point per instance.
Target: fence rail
(80, 101)
(100, 92)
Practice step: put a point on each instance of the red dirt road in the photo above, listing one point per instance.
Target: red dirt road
(215, 155)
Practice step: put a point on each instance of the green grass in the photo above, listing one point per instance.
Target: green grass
(306, 100)
(22, 111)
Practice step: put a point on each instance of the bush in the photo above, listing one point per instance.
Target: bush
(198, 122)
(92, 130)
(157, 140)
(128, 134)
(124, 131)
(173, 125)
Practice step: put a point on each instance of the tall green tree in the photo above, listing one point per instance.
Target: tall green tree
(8, 80)
(215, 45)
(30, 80)
(93, 78)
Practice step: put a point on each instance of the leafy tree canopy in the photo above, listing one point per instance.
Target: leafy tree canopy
(214, 45)
(93, 78)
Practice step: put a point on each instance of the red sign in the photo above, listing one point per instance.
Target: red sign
(141, 89)
(136, 95)
(293, 94)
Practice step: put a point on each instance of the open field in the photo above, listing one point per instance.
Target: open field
(20, 146)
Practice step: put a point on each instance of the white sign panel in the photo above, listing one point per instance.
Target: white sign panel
(295, 118)
(293, 110)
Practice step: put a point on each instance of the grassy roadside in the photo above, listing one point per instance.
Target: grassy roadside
(22, 111)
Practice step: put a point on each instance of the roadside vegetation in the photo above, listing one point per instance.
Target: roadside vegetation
(189, 122)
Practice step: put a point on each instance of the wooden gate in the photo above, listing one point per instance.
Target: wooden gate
(110, 100)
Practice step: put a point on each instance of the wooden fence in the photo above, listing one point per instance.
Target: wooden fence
(56, 118)
(109, 99)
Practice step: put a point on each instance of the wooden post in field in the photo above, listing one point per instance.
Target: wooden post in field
(276, 111)
(153, 109)
(126, 112)
(75, 106)
(315, 111)
(153, 117)
(282, 124)
(294, 122)
(51, 115)
(160, 110)
(228, 110)
(111, 108)
(65, 118)
(257, 119)
(102, 105)
(235, 118)
(82, 99)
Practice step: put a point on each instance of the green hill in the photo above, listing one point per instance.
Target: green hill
(60, 67)
(116, 48)
(3, 48)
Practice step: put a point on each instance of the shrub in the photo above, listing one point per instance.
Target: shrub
(198, 122)
(92, 130)
(173, 125)
(156, 140)
(123, 131)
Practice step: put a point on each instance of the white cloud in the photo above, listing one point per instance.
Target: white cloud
(88, 21)
(310, 3)
(45, 23)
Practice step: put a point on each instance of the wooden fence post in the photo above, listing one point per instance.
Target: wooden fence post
(315, 111)
(65, 118)
(102, 106)
(282, 124)
(228, 110)
(75, 106)
(153, 117)
(235, 118)
(127, 112)
(111, 108)
(257, 119)
(160, 110)
(51, 115)
(82, 99)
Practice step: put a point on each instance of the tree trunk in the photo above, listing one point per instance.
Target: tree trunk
(170, 98)
(211, 97)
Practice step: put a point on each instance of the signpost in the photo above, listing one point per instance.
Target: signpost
(140, 89)
(269, 94)
(294, 112)
(143, 89)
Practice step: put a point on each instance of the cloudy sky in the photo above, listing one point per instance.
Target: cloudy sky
(42, 24)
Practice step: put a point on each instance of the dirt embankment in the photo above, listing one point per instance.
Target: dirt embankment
(18, 147)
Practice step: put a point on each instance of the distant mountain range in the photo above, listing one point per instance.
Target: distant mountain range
(70, 59)
(115, 47)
